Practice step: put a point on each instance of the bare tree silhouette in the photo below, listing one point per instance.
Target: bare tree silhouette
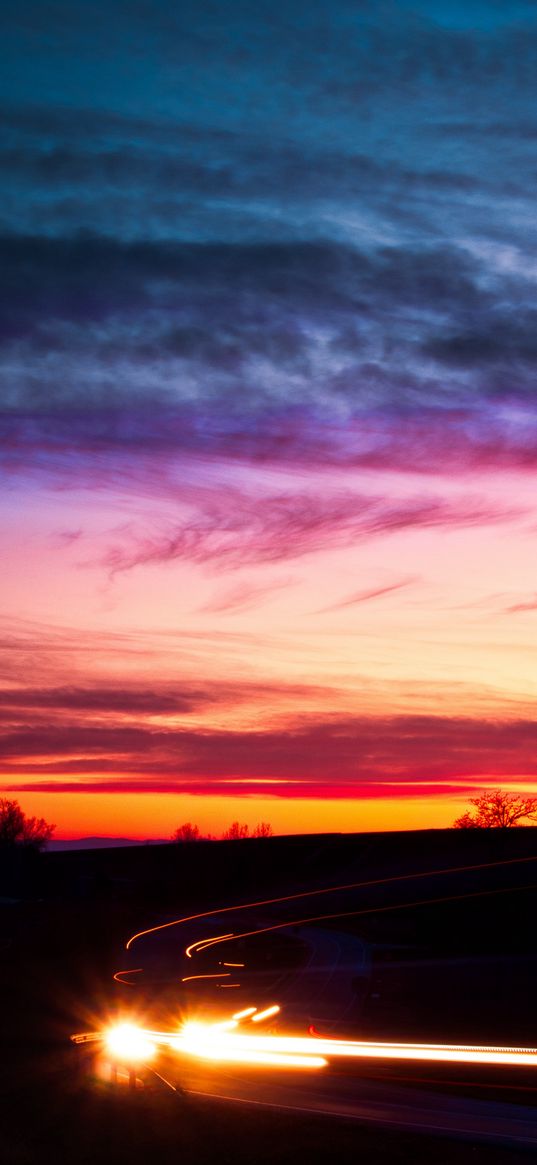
(18, 829)
(262, 829)
(497, 809)
(236, 831)
(187, 832)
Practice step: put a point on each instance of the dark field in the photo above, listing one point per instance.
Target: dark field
(453, 958)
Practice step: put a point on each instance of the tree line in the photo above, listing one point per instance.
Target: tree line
(493, 809)
(237, 830)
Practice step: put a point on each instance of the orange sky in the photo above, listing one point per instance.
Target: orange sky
(147, 816)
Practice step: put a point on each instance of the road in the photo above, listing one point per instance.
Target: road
(379, 1102)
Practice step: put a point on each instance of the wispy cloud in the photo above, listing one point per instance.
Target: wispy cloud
(246, 595)
(233, 529)
(365, 596)
(528, 605)
(314, 790)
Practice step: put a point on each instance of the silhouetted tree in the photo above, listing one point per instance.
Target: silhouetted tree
(497, 809)
(18, 829)
(262, 829)
(187, 832)
(465, 822)
(235, 832)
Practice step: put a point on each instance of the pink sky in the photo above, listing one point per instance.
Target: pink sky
(352, 650)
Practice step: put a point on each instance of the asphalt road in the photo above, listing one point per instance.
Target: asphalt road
(379, 1102)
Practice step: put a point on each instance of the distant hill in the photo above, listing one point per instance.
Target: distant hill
(100, 843)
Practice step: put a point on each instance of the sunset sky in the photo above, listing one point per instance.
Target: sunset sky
(269, 421)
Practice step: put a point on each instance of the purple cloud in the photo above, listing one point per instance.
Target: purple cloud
(234, 529)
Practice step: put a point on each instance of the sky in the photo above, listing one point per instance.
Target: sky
(268, 497)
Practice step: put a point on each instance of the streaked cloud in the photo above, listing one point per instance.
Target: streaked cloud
(527, 605)
(234, 529)
(413, 749)
(365, 596)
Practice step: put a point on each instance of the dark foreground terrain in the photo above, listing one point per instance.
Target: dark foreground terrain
(453, 958)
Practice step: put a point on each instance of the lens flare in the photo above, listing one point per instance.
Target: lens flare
(129, 1043)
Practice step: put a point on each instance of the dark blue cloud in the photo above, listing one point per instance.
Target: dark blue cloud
(271, 221)
(213, 121)
(284, 350)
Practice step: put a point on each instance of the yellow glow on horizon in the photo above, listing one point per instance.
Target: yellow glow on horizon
(143, 816)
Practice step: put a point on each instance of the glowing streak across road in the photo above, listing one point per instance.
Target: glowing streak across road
(326, 890)
(358, 913)
(204, 1041)
(217, 1042)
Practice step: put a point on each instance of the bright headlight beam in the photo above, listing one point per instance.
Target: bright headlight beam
(208, 1042)
(129, 1043)
(219, 1042)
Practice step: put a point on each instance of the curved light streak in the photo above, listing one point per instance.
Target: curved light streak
(326, 890)
(372, 910)
(118, 976)
(198, 946)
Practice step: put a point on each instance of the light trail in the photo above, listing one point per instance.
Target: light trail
(217, 975)
(266, 1014)
(326, 890)
(220, 1043)
(201, 944)
(355, 1049)
(119, 975)
(358, 913)
(206, 1042)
